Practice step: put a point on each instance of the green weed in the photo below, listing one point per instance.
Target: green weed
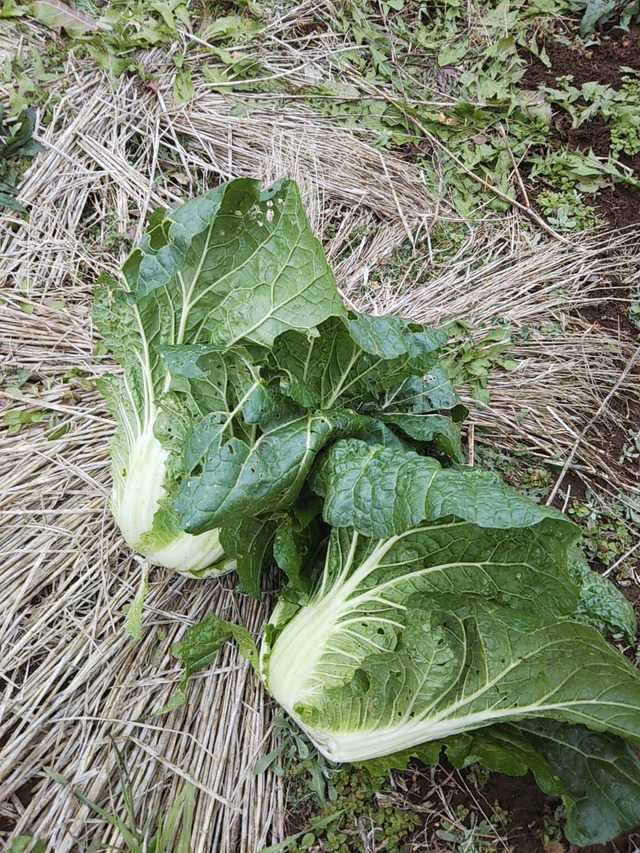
(608, 530)
(345, 808)
(157, 833)
(620, 108)
(24, 843)
(518, 467)
(567, 211)
(16, 145)
(468, 834)
(475, 355)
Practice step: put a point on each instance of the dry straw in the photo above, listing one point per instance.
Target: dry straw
(71, 679)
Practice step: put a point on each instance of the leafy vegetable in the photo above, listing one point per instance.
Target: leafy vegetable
(241, 364)
(450, 610)
(236, 265)
(449, 628)
(475, 630)
(471, 629)
(454, 604)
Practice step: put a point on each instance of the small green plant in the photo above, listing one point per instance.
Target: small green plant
(620, 108)
(553, 821)
(597, 13)
(607, 530)
(631, 449)
(478, 776)
(566, 170)
(517, 466)
(26, 842)
(304, 840)
(365, 823)
(310, 776)
(473, 360)
(567, 210)
(158, 833)
(474, 836)
(359, 819)
(346, 807)
(16, 142)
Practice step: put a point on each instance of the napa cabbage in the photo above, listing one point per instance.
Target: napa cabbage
(240, 364)
(451, 612)
(237, 265)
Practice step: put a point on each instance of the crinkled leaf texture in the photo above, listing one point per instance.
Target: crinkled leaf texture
(419, 632)
(382, 491)
(237, 265)
(477, 629)
(601, 603)
(307, 391)
(255, 419)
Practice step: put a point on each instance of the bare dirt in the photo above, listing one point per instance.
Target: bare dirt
(618, 206)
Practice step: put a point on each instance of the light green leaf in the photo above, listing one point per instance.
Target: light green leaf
(183, 90)
(200, 647)
(134, 611)
(26, 842)
(452, 54)
(201, 643)
(130, 838)
(442, 629)
(291, 842)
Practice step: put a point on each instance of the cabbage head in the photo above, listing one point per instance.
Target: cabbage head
(237, 265)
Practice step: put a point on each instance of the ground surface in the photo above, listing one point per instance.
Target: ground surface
(228, 123)
(618, 206)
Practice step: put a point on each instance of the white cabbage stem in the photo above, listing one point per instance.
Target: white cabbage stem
(136, 497)
(135, 502)
(190, 554)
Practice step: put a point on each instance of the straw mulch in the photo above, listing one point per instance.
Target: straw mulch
(72, 680)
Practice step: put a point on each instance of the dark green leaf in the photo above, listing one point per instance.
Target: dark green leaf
(384, 491)
(597, 775)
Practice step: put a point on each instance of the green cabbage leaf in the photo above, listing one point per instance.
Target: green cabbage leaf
(449, 611)
(240, 365)
(236, 266)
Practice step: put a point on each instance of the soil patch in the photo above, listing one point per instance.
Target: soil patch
(601, 62)
(618, 206)
(525, 803)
